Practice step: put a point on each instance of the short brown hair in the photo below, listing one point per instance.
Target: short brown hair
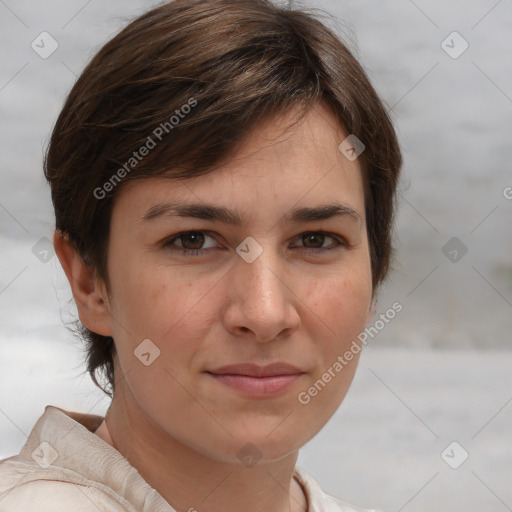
(240, 61)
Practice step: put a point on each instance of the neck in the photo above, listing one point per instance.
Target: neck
(191, 481)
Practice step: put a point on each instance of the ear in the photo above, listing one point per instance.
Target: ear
(89, 292)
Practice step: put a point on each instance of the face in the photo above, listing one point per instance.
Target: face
(273, 288)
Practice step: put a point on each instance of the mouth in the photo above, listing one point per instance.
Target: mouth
(257, 381)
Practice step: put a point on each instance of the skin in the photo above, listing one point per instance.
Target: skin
(206, 311)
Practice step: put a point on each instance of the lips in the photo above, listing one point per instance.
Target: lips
(255, 381)
(253, 370)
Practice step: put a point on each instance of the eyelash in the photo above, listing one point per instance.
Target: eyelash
(340, 243)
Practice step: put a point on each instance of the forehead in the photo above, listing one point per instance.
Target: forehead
(276, 168)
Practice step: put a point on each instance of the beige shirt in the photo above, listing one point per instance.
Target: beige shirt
(65, 467)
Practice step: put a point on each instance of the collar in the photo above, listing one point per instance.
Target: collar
(71, 435)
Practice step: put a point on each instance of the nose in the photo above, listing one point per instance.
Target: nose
(261, 304)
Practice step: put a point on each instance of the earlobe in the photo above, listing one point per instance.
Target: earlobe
(89, 293)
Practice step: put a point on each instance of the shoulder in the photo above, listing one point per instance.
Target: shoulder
(320, 501)
(25, 486)
(332, 504)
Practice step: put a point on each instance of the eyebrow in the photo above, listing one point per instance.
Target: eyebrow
(232, 217)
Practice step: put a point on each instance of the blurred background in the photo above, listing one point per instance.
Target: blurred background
(427, 422)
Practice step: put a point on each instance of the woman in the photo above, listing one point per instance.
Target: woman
(223, 176)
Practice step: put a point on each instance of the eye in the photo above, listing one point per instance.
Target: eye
(313, 241)
(191, 242)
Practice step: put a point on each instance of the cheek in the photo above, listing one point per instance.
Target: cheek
(146, 295)
(171, 309)
(338, 307)
(167, 310)
(341, 303)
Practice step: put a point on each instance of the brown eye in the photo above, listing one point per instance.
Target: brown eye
(193, 240)
(312, 243)
(313, 240)
(190, 243)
